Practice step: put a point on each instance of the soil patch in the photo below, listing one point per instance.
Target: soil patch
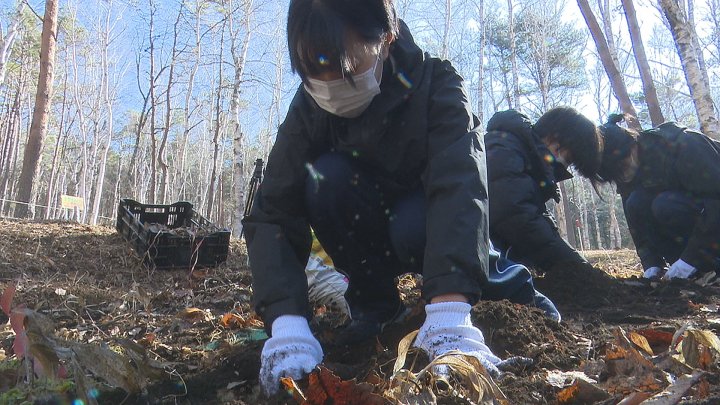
(95, 290)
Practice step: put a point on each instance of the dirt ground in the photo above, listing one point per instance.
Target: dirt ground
(190, 336)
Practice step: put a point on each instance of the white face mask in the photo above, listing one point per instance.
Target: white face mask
(339, 97)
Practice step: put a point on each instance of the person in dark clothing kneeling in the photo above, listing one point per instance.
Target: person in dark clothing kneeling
(669, 181)
(525, 163)
(380, 154)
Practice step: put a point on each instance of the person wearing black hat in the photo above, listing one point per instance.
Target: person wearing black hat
(525, 163)
(669, 181)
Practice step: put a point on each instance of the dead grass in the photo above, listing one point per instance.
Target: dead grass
(623, 263)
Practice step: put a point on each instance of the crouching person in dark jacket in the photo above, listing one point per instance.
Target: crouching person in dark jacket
(669, 180)
(525, 163)
(379, 153)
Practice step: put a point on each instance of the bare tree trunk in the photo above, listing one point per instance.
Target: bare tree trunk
(481, 60)
(651, 97)
(513, 59)
(50, 197)
(7, 39)
(80, 100)
(696, 41)
(596, 224)
(616, 79)
(108, 128)
(36, 137)
(133, 167)
(153, 107)
(565, 217)
(445, 50)
(10, 142)
(274, 116)
(584, 214)
(683, 35)
(239, 55)
(216, 133)
(187, 113)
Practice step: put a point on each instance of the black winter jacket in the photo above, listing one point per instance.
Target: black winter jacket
(522, 177)
(418, 132)
(674, 158)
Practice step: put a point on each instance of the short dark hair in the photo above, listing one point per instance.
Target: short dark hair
(317, 31)
(575, 133)
(618, 146)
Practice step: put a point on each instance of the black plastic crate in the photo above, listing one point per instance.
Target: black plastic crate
(172, 236)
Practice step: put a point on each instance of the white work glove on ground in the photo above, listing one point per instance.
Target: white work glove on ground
(447, 327)
(652, 272)
(680, 269)
(326, 286)
(292, 351)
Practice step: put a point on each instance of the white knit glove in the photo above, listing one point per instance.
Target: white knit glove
(680, 269)
(652, 272)
(448, 327)
(292, 351)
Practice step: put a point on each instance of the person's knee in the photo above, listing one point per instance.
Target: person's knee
(674, 210)
(638, 203)
(636, 206)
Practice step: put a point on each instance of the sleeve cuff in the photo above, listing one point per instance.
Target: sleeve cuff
(290, 325)
(448, 314)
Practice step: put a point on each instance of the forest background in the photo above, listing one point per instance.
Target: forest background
(174, 100)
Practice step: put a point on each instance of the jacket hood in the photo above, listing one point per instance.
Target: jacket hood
(511, 121)
(548, 170)
(405, 55)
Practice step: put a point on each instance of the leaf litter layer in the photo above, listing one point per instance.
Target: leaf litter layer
(197, 331)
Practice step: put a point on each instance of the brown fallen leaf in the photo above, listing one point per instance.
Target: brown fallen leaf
(698, 349)
(674, 393)
(636, 398)
(324, 387)
(110, 366)
(641, 342)
(582, 392)
(193, 315)
(6, 298)
(291, 386)
(235, 321)
(656, 338)
(628, 370)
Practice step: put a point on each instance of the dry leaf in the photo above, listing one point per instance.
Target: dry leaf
(291, 386)
(641, 342)
(6, 298)
(582, 392)
(234, 321)
(42, 352)
(145, 366)
(674, 393)
(695, 349)
(109, 366)
(324, 387)
(707, 338)
(193, 315)
(403, 348)
(636, 398)
(562, 379)
(656, 338)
